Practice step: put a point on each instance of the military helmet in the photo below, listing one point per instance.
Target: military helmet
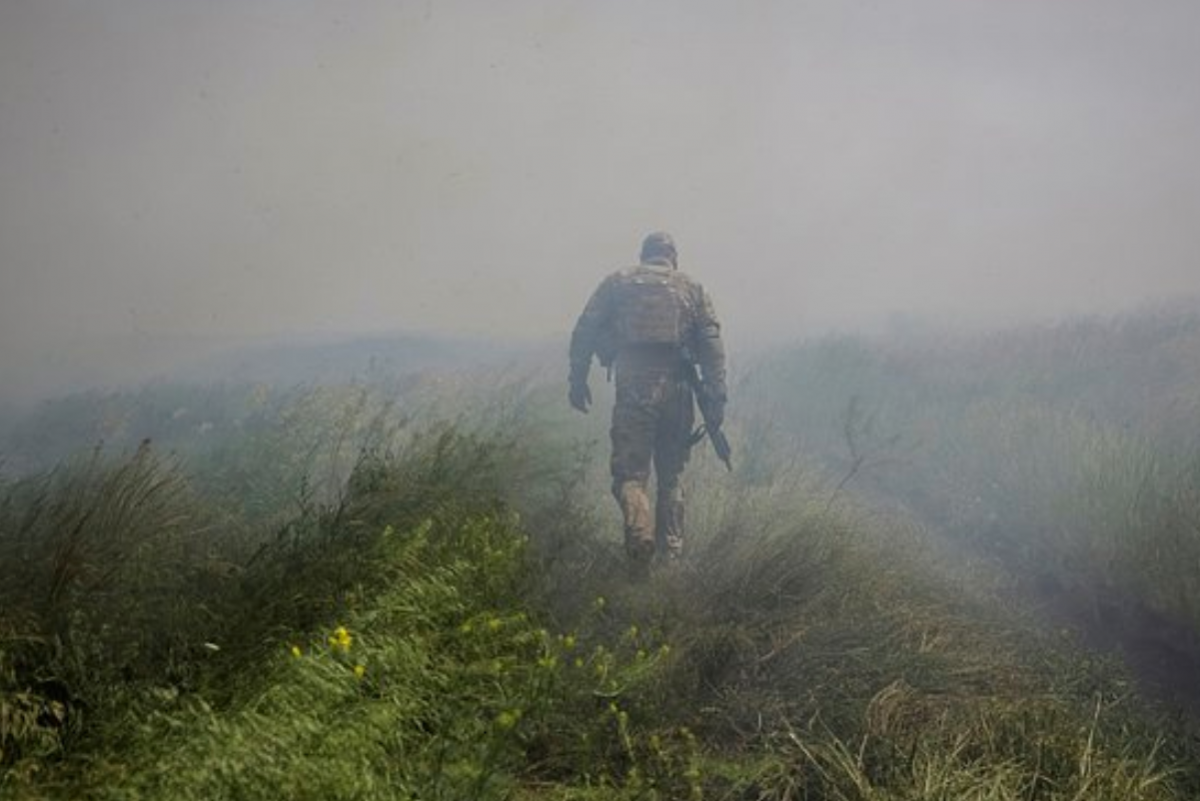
(658, 245)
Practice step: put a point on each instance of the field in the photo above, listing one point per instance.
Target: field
(942, 568)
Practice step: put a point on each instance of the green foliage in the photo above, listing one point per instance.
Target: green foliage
(439, 688)
(418, 555)
(105, 579)
(340, 596)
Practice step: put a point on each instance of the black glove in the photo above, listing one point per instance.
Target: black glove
(580, 396)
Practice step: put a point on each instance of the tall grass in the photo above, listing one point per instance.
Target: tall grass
(445, 683)
(1066, 453)
(99, 564)
(843, 651)
(350, 596)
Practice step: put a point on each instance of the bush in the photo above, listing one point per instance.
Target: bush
(108, 585)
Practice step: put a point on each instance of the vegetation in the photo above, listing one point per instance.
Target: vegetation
(342, 592)
(1069, 456)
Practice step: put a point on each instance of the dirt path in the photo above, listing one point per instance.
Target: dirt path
(1162, 654)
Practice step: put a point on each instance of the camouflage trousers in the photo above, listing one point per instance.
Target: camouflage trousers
(651, 426)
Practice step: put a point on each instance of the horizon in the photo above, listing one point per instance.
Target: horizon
(130, 361)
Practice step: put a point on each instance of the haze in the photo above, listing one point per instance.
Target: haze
(174, 170)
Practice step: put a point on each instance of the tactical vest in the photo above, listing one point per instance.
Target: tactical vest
(651, 308)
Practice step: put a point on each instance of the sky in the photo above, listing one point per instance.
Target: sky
(173, 170)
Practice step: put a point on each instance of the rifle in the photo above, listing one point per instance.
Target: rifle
(705, 401)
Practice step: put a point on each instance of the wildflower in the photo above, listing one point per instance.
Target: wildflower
(494, 624)
(599, 602)
(569, 642)
(340, 639)
(296, 651)
(360, 670)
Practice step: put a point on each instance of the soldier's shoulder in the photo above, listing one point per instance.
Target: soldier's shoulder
(626, 272)
(638, 273)
(607, 282)
(684, 279)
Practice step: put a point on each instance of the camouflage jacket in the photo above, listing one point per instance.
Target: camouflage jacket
(651, 304)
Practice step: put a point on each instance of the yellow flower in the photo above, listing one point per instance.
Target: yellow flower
(569, 642)
(340, 639)
(360, 670)
(296, 651)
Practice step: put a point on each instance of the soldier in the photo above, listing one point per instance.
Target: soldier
(650, 323)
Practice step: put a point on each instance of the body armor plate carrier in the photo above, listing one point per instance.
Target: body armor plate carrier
(650, 309)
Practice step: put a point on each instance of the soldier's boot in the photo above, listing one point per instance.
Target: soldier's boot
(639, 524)
(669, 522)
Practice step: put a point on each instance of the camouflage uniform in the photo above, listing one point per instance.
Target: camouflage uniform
(643, 322)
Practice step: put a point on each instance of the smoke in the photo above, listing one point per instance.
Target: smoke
(172, 169)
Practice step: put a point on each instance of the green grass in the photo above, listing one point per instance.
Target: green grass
(344, 594)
